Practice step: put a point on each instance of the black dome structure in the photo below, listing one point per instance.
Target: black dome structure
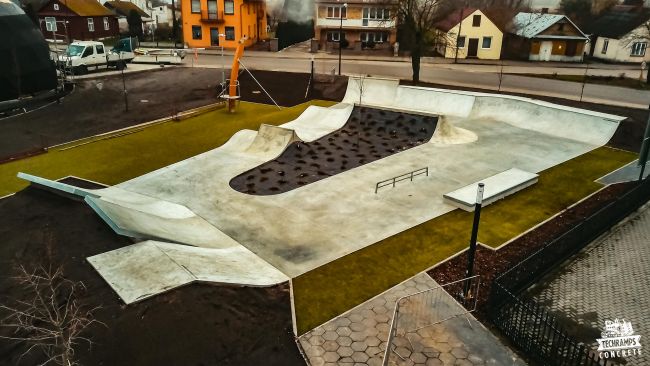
(25, 64)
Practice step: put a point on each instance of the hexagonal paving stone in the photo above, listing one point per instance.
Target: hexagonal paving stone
(330, 346)
(375, 361)
(342, 321)
(330, 335)
(329, 326)
(459, 352)
(371, 332)
(344, 341)
(358, 336)
(447, 358)
(434, 362)
(357, 327)
(360, 357)
(430, 352)
(331, 357)
(442, 347)
(317, 361)
(373, 350)
(345, 351)
(369, 322)
(314, 351)
(317, 331)
(380, 310)
(372, 341)
(348, 361)
(343, 331)
(382, 327)
(316, 340)
(359, 346)
(403, 352)
(463, 362)
(367, 313)
(418, 357)
(382, 318)
(356, 317)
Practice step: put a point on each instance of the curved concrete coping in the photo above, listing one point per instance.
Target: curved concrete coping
(145, 269)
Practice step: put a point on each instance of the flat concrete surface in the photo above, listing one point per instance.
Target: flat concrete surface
(628, 173)
(359, 336)
(148, 268)
(496, 186)
(609, 279)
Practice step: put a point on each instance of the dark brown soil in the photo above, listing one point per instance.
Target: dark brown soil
(369, 134)
(198, 324)
(628, 136)
(490, 264)
(97, 105)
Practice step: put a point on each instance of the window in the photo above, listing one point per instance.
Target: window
(605, 45)
(50, 24)
(638, 48)
(87, 52)
(196, 6)
(487, 42)
(375, 14)
(476, 21)
(56, 6)
(91, 25)
(229, 8)
(334, 36)
(99, 49)
(461, 42)
(230, 33)
(376, 37)
(196, 32)
(337, 12)
(106, 24)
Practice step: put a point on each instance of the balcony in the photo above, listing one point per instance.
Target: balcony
(211, 16)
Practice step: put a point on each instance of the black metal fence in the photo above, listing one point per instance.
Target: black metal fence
(527, 324)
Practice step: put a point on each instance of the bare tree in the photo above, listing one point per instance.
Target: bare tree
(51, 319)
(418, 20)
(637, 42)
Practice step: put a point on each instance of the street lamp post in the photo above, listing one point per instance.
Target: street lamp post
(344, 6)
(472, 242)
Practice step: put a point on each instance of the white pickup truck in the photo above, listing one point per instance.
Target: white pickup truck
(81, 56)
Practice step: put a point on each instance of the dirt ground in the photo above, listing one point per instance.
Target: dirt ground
(97, 105)
(198, 324)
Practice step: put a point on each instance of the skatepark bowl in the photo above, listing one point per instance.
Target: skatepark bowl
(369, 134)
(246, 215)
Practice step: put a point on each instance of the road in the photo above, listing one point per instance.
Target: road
(463, 75)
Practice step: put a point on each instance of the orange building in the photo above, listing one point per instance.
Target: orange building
(215, 23)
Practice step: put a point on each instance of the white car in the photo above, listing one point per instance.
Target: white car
(81, 56)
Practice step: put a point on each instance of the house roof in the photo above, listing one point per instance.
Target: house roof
(529, 25)
(86, 7)
(125, 7)
(454, 18)
(619, 22)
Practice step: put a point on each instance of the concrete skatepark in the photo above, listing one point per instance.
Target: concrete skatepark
(234, 237)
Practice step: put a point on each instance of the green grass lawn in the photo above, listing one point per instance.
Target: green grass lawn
(115, 160)
(333, 288)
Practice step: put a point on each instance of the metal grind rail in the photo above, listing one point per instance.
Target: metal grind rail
(399, 178)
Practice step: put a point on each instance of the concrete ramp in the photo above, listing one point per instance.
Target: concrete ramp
(371, 91)
(316, 122)
(143, 270)
(272, 140)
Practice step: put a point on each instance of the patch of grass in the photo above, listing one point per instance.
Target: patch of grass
(621, 80)
(333, 288)
(115, 160)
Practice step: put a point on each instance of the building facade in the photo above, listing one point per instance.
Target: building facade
(622, 35)
(364, 24)
(479, 36)
(77, 20)
(547, 37)
(215, 23)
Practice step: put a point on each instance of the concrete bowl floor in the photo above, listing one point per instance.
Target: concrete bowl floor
(369, 134)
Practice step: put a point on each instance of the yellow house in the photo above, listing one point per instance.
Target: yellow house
(479, 36)
(215, 23)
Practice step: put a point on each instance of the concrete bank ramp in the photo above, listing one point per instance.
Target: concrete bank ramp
(145, 269)
(272, 140)
(552, 119)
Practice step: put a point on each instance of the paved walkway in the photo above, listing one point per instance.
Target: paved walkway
(359, 336)
(610, 279)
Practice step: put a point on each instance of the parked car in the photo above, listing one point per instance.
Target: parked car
(82, 56)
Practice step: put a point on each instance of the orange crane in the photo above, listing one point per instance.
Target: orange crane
(234, 74)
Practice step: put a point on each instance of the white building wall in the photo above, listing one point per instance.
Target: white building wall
(619, 50)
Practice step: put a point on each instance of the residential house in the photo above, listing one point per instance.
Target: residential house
(76, 20)
(469, 33)
(204, 21)
(363, 23)
(546, 37)
(162, 14)
(621, 35)
(121, 9)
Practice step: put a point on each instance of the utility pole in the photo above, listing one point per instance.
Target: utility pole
(344, 6)
(472, 241)
(645, 149)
